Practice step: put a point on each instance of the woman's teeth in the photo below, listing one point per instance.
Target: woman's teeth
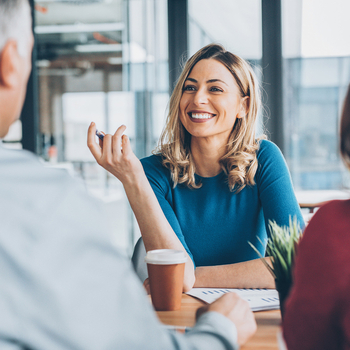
(201, 116)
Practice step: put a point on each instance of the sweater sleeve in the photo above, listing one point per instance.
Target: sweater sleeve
(213, 324)
(160, 181)
(276, 191)
(306, 322)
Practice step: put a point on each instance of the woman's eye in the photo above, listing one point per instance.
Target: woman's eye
(189, 88)
(215, 89)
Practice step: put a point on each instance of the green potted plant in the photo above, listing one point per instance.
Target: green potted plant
(281, 246)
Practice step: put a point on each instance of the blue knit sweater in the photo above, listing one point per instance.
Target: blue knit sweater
(215, 224)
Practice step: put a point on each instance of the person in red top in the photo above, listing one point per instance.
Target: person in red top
(317, 312)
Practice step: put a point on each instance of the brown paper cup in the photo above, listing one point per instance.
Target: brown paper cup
(166, 273)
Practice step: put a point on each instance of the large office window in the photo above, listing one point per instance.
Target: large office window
(316, 50)
(104, 61)
(236, 24)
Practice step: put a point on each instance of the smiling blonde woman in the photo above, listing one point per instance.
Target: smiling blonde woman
(211, 186)
(239, 161)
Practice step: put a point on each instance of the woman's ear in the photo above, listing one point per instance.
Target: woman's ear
(244, 107)
(9, 65)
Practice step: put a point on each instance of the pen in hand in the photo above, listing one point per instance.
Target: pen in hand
(100, 135)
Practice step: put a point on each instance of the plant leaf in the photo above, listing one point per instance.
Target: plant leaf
(281, 247)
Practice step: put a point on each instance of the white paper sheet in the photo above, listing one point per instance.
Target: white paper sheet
(258, 299)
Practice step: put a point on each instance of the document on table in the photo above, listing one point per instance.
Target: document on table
(258, 299)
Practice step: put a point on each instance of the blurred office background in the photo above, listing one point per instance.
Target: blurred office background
(115, 62)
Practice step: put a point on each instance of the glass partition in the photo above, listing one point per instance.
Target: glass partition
(236, 24)
(316, 49)
(104, 61)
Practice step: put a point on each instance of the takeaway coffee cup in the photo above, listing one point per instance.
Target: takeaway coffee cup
(166, 269)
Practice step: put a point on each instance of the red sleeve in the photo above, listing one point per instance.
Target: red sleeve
(344, 306)
(312, 312)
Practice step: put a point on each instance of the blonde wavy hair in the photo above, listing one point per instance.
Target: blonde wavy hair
(240, 161)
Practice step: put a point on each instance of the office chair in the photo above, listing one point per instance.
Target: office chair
(138, 260)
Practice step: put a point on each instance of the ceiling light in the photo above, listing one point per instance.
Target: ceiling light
(99, 48)
(79, 28)
(76, 2)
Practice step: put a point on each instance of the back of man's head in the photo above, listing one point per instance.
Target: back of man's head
(15, 21)
(16, 42)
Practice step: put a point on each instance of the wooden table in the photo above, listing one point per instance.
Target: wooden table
(264, 339)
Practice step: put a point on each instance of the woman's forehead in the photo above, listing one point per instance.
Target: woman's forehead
(211, 70)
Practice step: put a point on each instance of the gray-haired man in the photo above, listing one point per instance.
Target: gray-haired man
(62, 283)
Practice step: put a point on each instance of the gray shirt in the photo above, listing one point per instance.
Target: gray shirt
(63, 285)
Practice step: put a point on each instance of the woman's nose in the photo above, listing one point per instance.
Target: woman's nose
(200, 97)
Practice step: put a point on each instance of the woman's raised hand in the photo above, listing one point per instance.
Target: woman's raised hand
(115, 155)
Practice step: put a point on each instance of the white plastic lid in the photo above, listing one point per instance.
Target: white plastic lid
(165, 257)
